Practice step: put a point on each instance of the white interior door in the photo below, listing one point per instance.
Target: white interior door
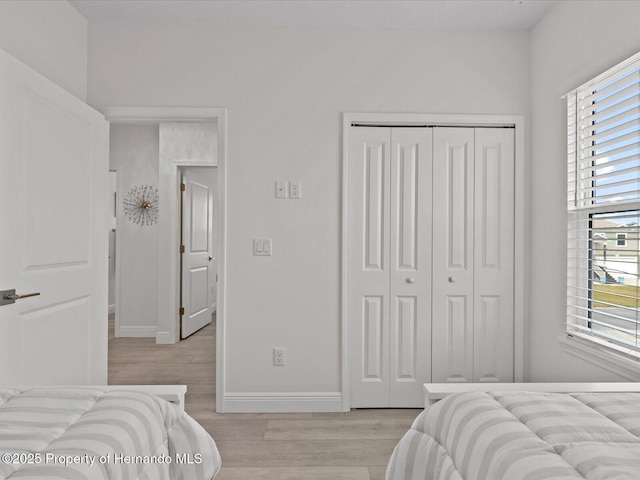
(197, 258)
(410, 266)
(389, 276)
(369, 247)
(453, 173)
(53, 241)
(493, 269)
(473, 242)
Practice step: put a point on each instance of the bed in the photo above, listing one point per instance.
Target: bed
(530, 435)
(88, 433)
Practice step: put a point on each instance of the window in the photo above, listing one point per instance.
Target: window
(603, 257)
(621, 239)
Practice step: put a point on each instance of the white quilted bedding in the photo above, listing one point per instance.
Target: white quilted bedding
(523, 436)
(92, 433)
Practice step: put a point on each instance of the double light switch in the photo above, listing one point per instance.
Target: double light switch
(262, 246)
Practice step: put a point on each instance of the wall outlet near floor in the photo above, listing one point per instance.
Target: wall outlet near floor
(278, 357)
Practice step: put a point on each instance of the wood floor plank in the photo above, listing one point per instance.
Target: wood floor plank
(402, 413)
(377, 473)
(305, 453)
(344, 429)
(247, 429)
(293, 473)
(213, 415)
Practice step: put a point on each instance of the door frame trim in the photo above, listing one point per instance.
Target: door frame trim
(168, 255)
(521, 213)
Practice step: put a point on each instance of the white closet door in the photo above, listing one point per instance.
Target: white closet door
(493, 258)
(453, 278)
(368, 304)
(410, 265)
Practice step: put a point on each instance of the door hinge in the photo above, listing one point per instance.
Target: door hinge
(182, 187)
(181, 311)
(181, 248)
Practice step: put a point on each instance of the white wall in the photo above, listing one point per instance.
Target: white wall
(134, 151)
(575, 41)
(49, 36)
(285, 89)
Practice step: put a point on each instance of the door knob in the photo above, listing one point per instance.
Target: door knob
(7, 297)
(411, 280)
(210, 258)
(452, 279)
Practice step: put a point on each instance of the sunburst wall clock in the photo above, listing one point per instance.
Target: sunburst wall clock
(141, 205)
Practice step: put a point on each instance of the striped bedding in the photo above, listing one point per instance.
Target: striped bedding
(91, 433)
(523, 435)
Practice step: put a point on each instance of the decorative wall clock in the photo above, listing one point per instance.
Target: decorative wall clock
(141, 205)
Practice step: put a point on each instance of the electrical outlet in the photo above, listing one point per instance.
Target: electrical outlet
(295, 189)
(278, 356)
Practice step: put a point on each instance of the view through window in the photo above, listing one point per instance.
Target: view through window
(603, 304)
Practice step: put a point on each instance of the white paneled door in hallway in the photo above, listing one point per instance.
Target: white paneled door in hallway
(53, 224)
(198, 262)
(389, 309)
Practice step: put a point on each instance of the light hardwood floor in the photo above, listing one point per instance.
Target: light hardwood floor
(294, 446)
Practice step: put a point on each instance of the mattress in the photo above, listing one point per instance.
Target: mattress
(523, 435)
(80, 433)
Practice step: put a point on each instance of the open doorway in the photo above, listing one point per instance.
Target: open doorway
(162, 357)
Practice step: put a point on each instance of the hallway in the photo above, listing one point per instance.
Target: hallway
(139, 361)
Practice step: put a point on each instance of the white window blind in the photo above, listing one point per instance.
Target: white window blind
(603, 256)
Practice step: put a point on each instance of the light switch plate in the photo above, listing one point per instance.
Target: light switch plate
(281, 188)
(262, 247)
(295, 189)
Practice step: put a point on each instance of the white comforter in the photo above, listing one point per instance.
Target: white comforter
(523, 435)
(91, 433)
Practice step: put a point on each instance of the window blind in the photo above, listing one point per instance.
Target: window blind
(603, 230)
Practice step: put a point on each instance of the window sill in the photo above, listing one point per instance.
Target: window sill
(608, 360)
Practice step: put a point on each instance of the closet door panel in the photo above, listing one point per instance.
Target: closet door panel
(410, 265)
(369, 265)
(493, 255)
(453, 255)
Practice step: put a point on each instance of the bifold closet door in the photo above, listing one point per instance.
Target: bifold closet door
(389, 175)
(410, 275)
(473, 237)
(493, 272)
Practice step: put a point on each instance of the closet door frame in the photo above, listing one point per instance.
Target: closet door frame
(520, 213)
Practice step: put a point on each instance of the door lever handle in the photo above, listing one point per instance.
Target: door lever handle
(7, 297)
(18, 297)
(210, 258)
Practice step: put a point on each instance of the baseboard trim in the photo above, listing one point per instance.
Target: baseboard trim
(290, 402)
(129, 331)
(164, 338)
(112, 309)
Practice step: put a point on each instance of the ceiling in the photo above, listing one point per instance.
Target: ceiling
(420, 14)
